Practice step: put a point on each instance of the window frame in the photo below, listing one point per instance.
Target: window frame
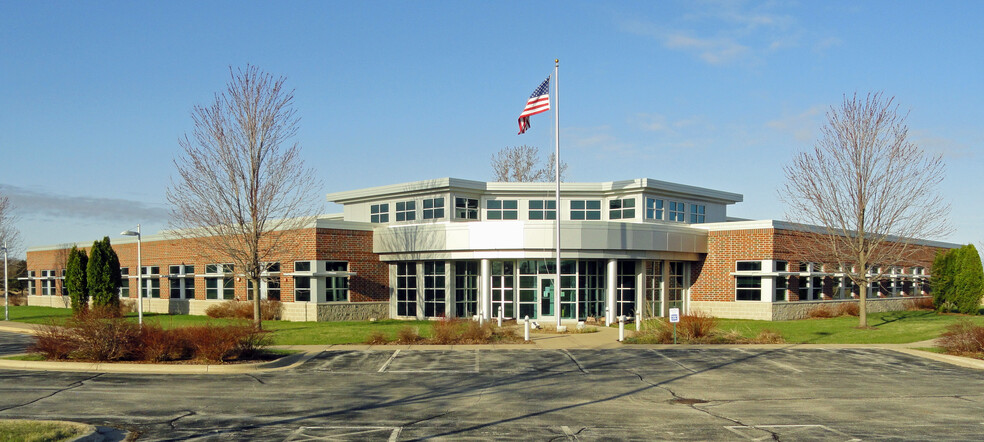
(622, 208)
(406, 211)
(652, 210)
(379, 213)
(582, 210)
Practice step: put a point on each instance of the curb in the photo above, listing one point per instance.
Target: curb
(283, 363)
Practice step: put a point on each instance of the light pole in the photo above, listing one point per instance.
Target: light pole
(6, 303)
(139, 274)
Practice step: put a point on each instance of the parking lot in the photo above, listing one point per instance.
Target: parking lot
(624, 394)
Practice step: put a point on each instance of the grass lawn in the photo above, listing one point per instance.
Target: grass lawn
(284, 332)
(27, 430)
(889, 328)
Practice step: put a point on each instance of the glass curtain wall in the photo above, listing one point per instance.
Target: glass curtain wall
(465, 289)
(654, 289)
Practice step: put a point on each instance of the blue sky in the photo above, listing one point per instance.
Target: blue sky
(714, 94)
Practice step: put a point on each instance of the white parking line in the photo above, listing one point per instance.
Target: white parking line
(386, 364)
(673, 361)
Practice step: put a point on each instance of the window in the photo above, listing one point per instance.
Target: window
(48, 283)
(212, 288)
(406, 289)
(151, 288)
(654, 289)
(676, 211)
(212, 268)
(585, 209)
(465, 288)
(182, 281)
(434, 291)
(543, 209)
(748, 288)
(675, 285)
(302, 288)
(302, 266)
(336, 287)
(124, 282)
(150, 270)
(781, 266)
(269, 288)
(696, 213)
(502, 209)
(434, 208)
(64, 287)
(625, 289)
(621, 208)
(654, 208)
(465, 208)
(591, 288)
(379, 213)
(748, 266)
(782, 283)
(503, 289)
(273, 267)
(406, 211)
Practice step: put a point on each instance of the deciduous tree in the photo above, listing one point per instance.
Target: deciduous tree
(521, 164)
(241, 181)
(869, 191)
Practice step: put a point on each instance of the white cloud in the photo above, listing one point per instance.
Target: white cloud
(949, 147)
(33, 204)
(715, 51)
(803, 126)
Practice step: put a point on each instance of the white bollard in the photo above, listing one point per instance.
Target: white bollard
(607, 322)
(526, 332)
(481, 318)
(500, 316)
(621, 328)
(638, 320)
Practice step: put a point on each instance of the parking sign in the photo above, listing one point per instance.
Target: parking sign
(674, 315)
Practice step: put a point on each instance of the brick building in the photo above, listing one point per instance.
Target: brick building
(452, 247)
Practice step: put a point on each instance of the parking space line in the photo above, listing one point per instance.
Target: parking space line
(570, 434)
(395, 435)
(673, 361)
(386, 364)
(773, 362)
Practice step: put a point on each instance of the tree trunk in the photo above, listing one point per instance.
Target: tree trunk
(863, 305)
(256, 304)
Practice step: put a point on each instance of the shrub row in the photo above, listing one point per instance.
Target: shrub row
(101, 336)
(450, 331)
(963, 338)
(697, 328)
(840, 309)
(270, 310)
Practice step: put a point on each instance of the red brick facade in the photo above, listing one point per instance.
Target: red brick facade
(712, 279)
(353, 246)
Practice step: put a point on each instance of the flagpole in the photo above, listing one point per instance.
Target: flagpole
(558, 286)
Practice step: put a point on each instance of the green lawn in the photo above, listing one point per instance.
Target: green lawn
(28, 430)
(889, 328)
(284, 332)
(892, 327)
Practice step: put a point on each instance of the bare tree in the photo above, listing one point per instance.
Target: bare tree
(869, 191)
(9, 236)
(522, 164)
(241, 182)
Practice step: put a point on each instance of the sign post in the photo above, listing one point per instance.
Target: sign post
(674, 318)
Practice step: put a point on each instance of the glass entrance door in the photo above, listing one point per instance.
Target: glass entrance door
(547, 296)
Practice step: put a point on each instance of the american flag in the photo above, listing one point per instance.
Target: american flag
(539, 102)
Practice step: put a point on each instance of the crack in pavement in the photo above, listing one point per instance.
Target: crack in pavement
(255, 378)
(427, 419)
(171, 422)
(694, 407)
(71, 386)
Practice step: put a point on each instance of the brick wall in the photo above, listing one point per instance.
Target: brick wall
(306, 244)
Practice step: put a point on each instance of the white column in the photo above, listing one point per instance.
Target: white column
(484, 290)
(610, 289)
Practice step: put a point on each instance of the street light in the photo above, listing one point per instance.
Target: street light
(139, 274)
(6, 304)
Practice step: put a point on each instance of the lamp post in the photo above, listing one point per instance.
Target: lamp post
(6, 303)
(139, 274)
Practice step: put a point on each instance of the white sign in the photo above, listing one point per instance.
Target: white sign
(674, 315)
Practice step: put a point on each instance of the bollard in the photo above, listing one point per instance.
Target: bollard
(638, 320)
(621, 328)
(481, 318)
(500, 316)
(607, 322)
(526, 332)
